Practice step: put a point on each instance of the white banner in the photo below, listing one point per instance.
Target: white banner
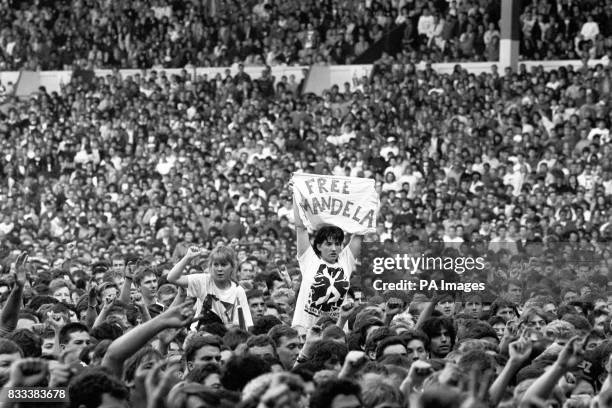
(350, 203)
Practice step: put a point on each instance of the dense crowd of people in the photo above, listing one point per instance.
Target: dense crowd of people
(51, 35)
(151, 253)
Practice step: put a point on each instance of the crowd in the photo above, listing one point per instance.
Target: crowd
(148, 236)
(51, 35)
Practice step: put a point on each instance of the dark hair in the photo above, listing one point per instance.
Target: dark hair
(30, 343)
(261, 340)
(378, 334)
(132, 363)
(478, 330)
(579, 322)
(326, 233)
(324, 394)
(37, 301)
(196, 342)
(234, 337)
(386, 342)
(415, 334)
(106, 330)
(9, 347)
(323, 350)
(239, 370)
(141, 273)
(502, 304)
(200, 372)
(86, 389)
(67, 330)
(263, 324)
(434, 325)
(281, 330)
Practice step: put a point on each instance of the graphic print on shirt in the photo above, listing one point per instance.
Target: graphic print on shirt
(327, 291)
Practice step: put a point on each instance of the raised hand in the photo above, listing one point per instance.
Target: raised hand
(572, 354)
(28, 372)
(20, 269)
(93, 294)
(477, 390)
(158, 384)
(59, 374)
(179, 315)
(520, 350)
(353, 362)
(193, 252)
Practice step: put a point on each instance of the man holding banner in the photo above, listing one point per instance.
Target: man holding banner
(328, 206)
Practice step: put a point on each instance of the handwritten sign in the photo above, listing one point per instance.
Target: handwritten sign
(350, 203)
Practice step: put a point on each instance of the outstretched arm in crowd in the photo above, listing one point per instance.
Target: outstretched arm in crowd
(10, 313)
(128, 344)
(519, 351)
(128, 279)
(571, 355)
(92, 304)
(303, 241)
(426, 313)
(176, 274)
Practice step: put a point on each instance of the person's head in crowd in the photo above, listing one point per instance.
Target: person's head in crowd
(601, 321)
(256, 303)
(48, 342)
(208, 374)
(137, 366)
(9, 353)
(108, 291)
(118, 263)
(222, 265)
(374, 338)
(27, 320)
(334, 333)
(513, 291)
(534, 318)
(264, 324)
(327, 243)
(96, 388)
(417, 344)
(234, 337)
(473, 306)
(504, 309)
(328, 354)
(498, 324)
(166, 294)
(145, 280)
(74, 336)
(240, 369)
(246, 270)
(287, 344)
(59, 290)
(446, 305)
(393, 345)
(569, 295)
(200, 349)
(441, 333)
(262, 346)
(337, 393)
(29, 342)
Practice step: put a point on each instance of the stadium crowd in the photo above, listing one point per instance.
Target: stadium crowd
(118, 192)
(159, 34)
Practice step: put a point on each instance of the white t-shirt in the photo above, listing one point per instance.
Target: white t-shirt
(323, 287)
(201, 284)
